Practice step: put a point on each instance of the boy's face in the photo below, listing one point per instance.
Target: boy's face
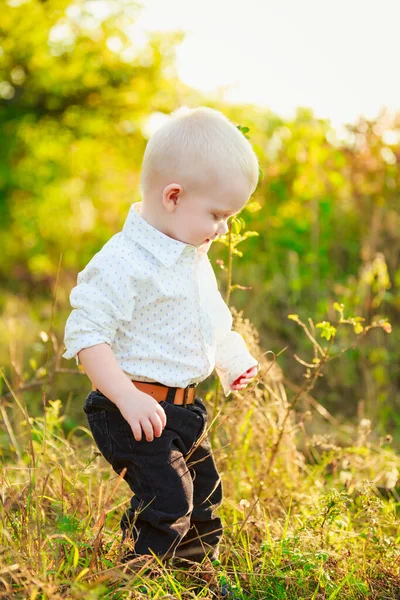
(201, 217)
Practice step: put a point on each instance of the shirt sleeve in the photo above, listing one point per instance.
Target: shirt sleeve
(103, 297)
(232, 357)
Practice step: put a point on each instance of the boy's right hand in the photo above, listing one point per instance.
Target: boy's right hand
(143, 413)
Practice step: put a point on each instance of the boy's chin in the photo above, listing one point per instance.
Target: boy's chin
(205, 244)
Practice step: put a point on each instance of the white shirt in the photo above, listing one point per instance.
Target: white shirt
(155, 301)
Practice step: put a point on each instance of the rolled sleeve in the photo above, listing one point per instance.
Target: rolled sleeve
(232, 357)
(102, 298)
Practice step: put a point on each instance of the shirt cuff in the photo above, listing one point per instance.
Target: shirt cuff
(75, 346)
(238, 365)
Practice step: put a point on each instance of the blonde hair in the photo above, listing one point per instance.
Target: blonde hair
(194, 145)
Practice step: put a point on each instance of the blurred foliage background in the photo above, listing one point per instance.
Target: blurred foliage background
(76, 100)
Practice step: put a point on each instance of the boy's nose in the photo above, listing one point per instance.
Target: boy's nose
(223, 228)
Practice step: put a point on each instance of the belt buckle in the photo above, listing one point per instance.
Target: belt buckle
(186, 392)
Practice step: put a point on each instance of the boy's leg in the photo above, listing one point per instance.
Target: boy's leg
(205, 531)
(157, 473)
(159, 512)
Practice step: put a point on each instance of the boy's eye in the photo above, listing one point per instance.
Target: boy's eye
(218, 218)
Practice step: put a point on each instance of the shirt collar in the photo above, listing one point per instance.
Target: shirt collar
(165, 249)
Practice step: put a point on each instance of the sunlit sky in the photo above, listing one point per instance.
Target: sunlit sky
(339, 57)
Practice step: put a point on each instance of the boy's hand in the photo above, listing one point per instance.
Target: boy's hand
(244, 379)
(143, 413)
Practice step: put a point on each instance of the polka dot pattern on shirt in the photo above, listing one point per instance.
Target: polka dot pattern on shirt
(155, 301)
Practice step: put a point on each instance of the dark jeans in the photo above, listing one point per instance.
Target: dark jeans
(172, 512)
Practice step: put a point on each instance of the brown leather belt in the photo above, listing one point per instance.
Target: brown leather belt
(160, 392)
(182, 396)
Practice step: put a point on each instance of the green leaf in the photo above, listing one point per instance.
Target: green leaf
(338, 307)
(236, 226)
(244, 130)
(253, 206)
(250, 234)
(328, 330)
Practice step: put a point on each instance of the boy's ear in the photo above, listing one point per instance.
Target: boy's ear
(171, 196)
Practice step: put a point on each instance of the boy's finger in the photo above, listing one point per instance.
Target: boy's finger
(136, 430)
(238, 386)
(157, 424)
(162, 415)
(147, 427)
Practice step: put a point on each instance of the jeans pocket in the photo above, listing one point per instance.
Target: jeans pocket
(121, 435)
(199, 408)
(98, 424)
(96, 400)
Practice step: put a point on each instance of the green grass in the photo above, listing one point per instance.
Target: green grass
(324, 527)
(311, 506)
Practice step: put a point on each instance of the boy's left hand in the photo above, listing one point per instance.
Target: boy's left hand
(242, 381)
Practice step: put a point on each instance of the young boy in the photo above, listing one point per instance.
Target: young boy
(148, 324)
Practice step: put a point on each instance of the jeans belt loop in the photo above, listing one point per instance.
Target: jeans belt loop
(186, 393)
(171, 395)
